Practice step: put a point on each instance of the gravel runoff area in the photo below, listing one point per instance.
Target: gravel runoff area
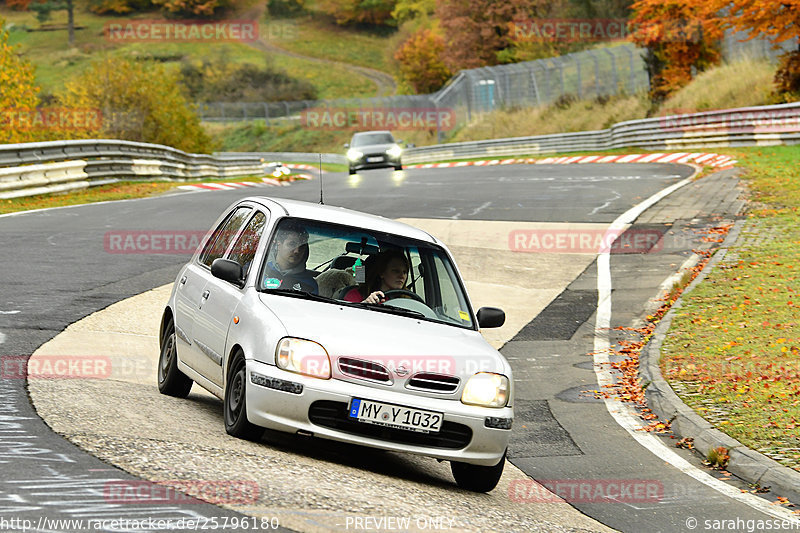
(308, 484)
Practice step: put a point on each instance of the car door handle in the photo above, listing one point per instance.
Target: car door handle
(206, 294)
(183, 280)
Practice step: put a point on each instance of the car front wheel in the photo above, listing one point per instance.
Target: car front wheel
(352, 171)
(477, 478)
(171, 381)
(236, 423)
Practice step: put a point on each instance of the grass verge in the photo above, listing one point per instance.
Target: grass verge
(733, 351)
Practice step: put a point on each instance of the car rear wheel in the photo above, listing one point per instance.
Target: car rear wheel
(398, 167)
(236, 423)
(477, 478)
(171, 381)
(352, 171)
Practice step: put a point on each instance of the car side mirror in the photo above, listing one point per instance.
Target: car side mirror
(347, 145)
(227, 270)
(488, 317)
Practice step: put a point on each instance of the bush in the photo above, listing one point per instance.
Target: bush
(285, 8)
(420, 61)
(218, 80)
(138, 102)
(787, 78)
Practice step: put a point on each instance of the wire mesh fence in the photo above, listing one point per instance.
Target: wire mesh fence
(600, 72)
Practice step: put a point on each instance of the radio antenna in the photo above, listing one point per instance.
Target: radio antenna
(320, 180)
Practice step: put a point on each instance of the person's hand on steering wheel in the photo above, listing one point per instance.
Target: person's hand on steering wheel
(376, 297)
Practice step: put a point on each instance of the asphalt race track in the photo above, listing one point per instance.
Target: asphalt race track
(56, 269)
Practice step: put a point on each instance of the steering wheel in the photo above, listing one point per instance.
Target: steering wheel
(394, 293)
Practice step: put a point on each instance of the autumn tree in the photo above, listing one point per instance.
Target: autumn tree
(44, 8)
(119, 7)
(476, 31)
(681, 37)
(193, 8)
(18, 93)
(778, 21)
(406, 10)
(138, 101)
(420, 61)
(19, 5)
(373, 12)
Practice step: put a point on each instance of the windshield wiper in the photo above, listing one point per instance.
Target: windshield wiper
(390, 309)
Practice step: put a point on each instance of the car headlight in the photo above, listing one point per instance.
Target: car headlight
(303, 357)
(395, 151)
(354, 155)
(486, 390)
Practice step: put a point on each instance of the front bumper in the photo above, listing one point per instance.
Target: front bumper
(385, 162)
(464, 436)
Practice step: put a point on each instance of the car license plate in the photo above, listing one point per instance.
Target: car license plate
(396, 416)
(374, 159)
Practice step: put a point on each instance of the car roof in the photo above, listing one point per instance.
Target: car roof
(341, 215)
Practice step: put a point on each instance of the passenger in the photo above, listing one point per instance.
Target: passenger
(385, 271)
(287, 269)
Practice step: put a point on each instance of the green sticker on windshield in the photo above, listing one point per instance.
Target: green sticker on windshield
(272, 283)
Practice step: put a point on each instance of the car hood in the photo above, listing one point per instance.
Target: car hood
(373, 148)
(391, 340)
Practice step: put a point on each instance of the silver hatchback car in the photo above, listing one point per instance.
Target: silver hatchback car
(341, 325)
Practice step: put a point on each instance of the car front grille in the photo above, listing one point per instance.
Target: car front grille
(427, 381)
(333, 415)
(361, 369)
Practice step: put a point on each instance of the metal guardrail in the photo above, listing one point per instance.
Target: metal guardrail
(778, 124)
(58, 166)
(36, 168)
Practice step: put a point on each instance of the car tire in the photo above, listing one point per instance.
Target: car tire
(235, 402)
(352, 171)
(477, 478)
(398, 167)
(171, 381)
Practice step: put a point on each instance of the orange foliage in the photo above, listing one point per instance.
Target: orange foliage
(200, 8)
(17, 92)
(19, 5)
(780, 21)
(680, 36)
(420, 61)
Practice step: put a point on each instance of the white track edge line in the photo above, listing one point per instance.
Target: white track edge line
(623, 413)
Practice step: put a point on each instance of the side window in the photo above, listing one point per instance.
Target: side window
(223, 235)
(453, 304)
(244, 250)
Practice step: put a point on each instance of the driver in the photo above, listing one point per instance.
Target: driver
(288, 270)
(385, 271)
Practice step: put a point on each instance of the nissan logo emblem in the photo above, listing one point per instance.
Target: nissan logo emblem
(401, 371)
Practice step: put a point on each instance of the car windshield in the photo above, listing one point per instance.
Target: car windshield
(343, 264)
(372, 138)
